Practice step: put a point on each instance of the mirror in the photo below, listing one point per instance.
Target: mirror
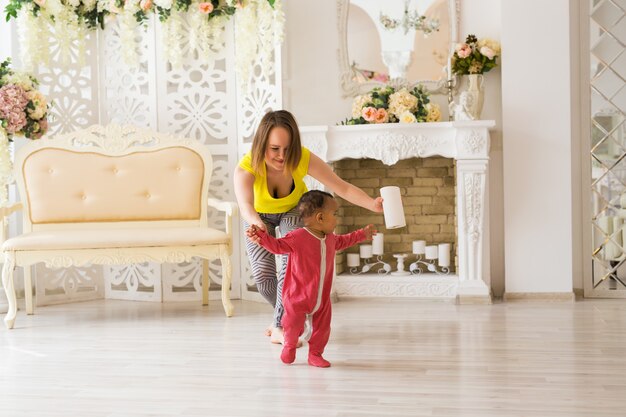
(396, 42)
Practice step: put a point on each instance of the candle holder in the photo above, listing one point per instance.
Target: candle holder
(383, 270)
(450, 84)
(400, 272)
(429, 264)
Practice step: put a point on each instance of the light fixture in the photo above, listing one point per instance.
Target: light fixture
(410, 20)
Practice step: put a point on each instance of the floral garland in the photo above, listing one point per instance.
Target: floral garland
(23, 111)
(388, 105)
(260, 25)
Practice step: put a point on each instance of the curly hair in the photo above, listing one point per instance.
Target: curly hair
(312, 201)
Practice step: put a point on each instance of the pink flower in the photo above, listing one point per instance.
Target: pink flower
(369, 114)
(382, 116)
(13, 101)
(145, 5)
(488, 52)
(40, 3)
(463, 50)
(206, 7)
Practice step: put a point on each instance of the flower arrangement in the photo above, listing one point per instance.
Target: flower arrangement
(70, 20)
(23, 111)
(475, 56)
(390, 105)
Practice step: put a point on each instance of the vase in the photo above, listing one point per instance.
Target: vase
(471, 100)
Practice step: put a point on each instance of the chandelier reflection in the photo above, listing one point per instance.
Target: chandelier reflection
(410, 20)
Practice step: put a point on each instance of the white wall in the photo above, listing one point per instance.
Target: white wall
(312, 92)
(537, 120)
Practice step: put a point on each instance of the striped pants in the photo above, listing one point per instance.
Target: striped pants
(268, 283)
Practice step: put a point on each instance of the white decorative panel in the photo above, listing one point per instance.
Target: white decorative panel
(134, 282)
(182, 282)
(128, 92)
(197, 99)
(59, 285)
(73, 91)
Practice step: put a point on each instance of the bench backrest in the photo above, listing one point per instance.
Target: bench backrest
(113, 175)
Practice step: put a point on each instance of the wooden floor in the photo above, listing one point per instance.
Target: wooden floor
(401, 358)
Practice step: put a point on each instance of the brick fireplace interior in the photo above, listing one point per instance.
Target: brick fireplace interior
(428, 193)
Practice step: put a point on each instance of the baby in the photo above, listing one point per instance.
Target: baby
(306, 291)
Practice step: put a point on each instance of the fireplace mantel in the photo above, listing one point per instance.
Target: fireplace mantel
(465, 141)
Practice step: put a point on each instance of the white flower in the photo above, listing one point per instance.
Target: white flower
(73, 3)
(488, 52)
(40, 103)
(163, 4)
(491, 44)
(358, 104)
(434, 113)
(19, 78)
(402, 101)
(89, 5)
(407, 117)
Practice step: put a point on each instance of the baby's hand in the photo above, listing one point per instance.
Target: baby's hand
(253, 235)
(369, 231)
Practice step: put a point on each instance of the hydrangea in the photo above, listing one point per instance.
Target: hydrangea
(13, 101)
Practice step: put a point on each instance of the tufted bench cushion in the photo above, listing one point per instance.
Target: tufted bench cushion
(115, 238)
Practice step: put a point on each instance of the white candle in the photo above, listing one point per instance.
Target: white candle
(353, 260)
(419, 247)
(393, 212)
(365, 251)
(431, 252)
(378, 244)
(450, 63)
(444, 254)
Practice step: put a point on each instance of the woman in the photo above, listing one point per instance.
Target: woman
(269, 184)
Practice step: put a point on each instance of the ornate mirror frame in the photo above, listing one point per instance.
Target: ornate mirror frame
(352, 88)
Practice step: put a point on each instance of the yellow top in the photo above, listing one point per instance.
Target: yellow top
(263, 200)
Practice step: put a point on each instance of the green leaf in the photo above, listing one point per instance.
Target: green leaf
(271, 2)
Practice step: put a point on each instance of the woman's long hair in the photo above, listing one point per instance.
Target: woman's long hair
(272, 119)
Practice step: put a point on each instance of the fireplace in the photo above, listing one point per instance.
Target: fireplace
(462, 151)
(428, 194)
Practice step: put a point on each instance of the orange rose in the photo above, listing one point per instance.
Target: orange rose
(206, 7)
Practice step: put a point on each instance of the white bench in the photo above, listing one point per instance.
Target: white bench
(114, 195)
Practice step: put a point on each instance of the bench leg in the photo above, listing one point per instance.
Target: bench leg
(226, 281)
(205, 282)
(28, 290)
(9, 289)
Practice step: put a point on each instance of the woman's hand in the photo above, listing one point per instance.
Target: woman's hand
(253, 234)
(369, 231)
(378, 205)
(260, 225)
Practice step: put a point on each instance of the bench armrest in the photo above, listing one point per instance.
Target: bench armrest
(229, 208)
(7, 211)
(4, 213)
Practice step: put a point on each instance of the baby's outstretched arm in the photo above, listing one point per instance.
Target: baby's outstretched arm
(345, 241)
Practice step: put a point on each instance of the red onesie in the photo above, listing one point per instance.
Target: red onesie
(308, 281)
